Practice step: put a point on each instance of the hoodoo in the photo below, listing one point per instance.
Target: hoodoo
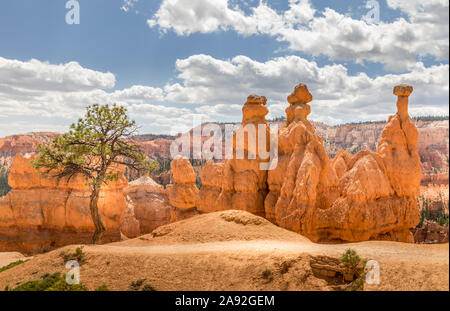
(244, 184)
(354, 197)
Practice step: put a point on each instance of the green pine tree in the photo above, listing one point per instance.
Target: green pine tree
(93, 148)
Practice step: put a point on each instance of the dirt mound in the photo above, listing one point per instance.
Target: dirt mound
(231, 225)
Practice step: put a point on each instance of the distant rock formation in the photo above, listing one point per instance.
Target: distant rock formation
(434, 200)
(430, 232)
(433, 146)
(38, 213)
(25, 143)
(368, 195)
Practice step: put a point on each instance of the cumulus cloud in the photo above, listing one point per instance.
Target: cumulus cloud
(37, 75)
(210, 89)
(59, 94)
(220, 87)
(397, 44)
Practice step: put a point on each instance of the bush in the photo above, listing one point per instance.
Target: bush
(102, 288)
(354, 265)
(79, 256)
(148, 288)
(441, 218)
(49, 282)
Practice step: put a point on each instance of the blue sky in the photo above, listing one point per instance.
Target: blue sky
(169, 68)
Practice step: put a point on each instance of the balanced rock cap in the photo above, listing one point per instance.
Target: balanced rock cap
(300, 95)
(403, 90)
(256, 99)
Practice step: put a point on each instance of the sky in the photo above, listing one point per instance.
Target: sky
(176, 63)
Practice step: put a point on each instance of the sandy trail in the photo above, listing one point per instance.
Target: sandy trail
(370, 249)
(232, 251)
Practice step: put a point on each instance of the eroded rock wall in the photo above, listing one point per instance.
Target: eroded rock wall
(40, 213)
(147, 207)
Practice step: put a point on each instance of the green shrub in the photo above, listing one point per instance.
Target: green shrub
(13, 264)
(441, 218)
(49, 282)
(78, 255)
(102, 288)
(354, 265)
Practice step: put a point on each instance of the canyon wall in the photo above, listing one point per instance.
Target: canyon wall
(433, 145)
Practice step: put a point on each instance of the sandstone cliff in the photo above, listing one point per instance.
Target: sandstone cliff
(39, 213)
(433, 144)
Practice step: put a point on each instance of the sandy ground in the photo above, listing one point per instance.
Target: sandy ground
(230, 251)
(7, 258)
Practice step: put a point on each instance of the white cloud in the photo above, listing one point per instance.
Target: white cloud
(221, 87)
(36, 90)
(37, 75)
(214, 90)
(396, 44)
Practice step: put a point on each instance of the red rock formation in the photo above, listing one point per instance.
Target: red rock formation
(26, 143)
(183, 193)
(39, 213)
(358, 197)
(376, 190)
(431, 232)
(147, 207)
(244, 185)
(433, 145)
(212, 178)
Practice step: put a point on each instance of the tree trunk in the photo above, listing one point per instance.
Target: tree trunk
(99, 227)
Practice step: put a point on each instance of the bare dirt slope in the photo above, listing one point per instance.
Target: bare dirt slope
(234, 250)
